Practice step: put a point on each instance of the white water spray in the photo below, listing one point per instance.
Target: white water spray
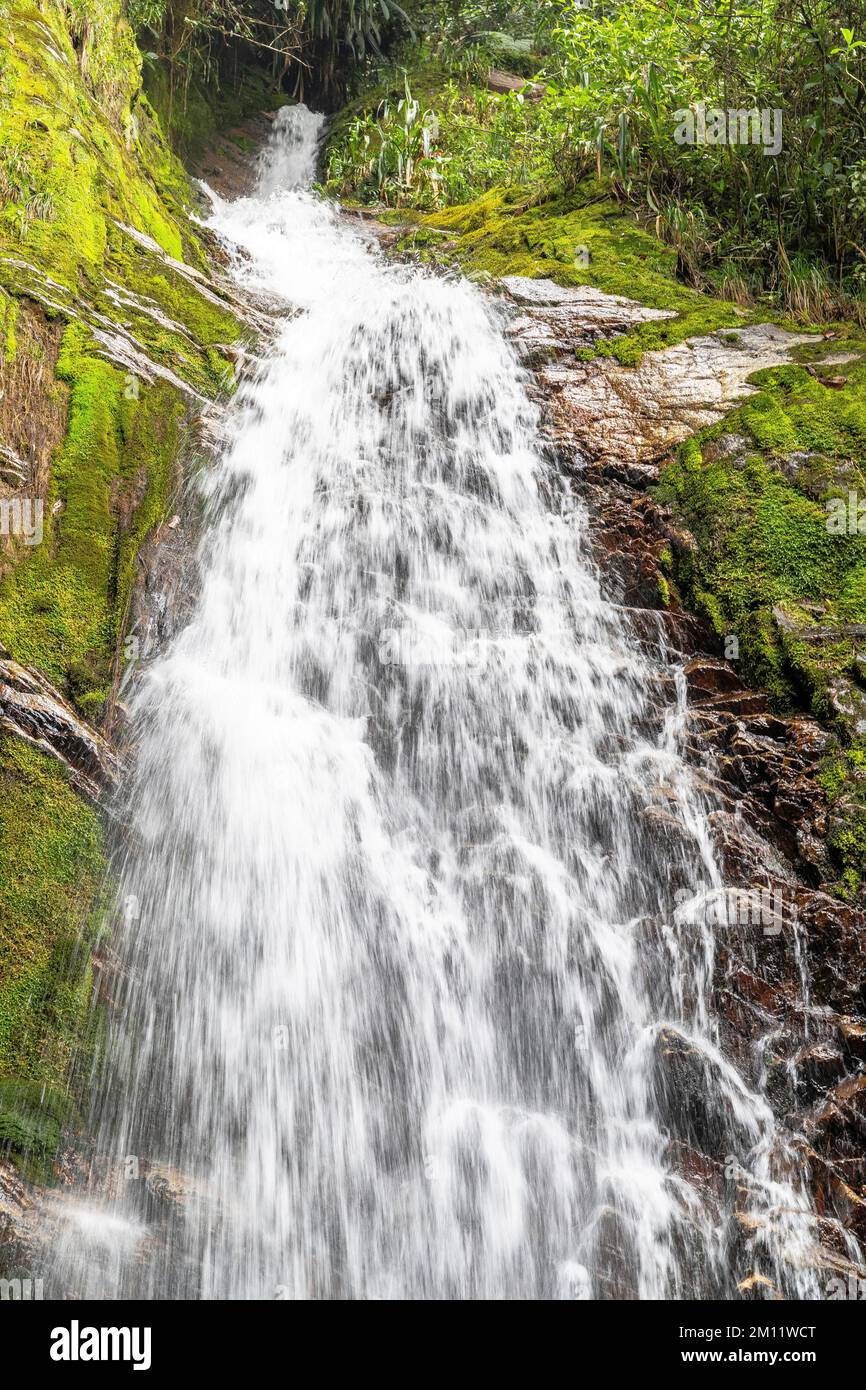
(407, 822)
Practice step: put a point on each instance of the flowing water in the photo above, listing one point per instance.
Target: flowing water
(407, 820)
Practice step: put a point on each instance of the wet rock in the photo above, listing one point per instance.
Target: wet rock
(771, 822)
(32, 709)
(727, 446)
(758, 1286)
(707, 676)
(613, 1273)
(838, 1117)
(224, 160)
(837, 951)
(17, 1238)
(661, 631)
(699, 1171)
(501, 82)
(815, 633)
(164, 1194)
(740, 702)
(580, 308)
(812, 851)
(691, 1101)
(554, 321)
(852, 1032)
(817, 1066)
(848, 704)
(759, 991)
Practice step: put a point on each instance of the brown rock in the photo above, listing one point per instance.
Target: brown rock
(499, 81)
(708, 676)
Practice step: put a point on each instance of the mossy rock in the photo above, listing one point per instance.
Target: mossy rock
(769, 569)
(507, 232)
(31, 1117)
(62, 607)
(52, 870)
(94, 204)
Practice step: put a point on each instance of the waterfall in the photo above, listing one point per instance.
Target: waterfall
(405, 833)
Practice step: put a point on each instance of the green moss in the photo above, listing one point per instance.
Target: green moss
(832, 777)
(51, 871)
(32, 1115)
(843, 778)
(87, 183)
(82, 157)
(97, 154)
(151, 444)
(62, 607)
(505, 233)
(762, 532)
(768, 568)
(76, 161)
(8, 322)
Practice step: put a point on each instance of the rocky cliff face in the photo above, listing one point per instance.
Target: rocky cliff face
(116, 334)
(790, 983)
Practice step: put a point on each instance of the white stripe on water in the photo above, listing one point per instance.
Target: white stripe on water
(407, 804)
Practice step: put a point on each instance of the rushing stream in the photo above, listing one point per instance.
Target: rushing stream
(406, 826)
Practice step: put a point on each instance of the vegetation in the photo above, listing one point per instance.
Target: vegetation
(51, 876)
(578, 168)
(610, 86)
(583, 172)
(94, 215)
(756, 492)
(607, 84)
(213, 61)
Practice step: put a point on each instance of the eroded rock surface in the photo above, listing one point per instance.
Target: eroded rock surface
(792, 1002)
(31, 708)
(629, 417)
(634, 415)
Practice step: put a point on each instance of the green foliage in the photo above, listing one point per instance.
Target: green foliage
(619, 75)
(391, 155)
(617, 79)
(462, 139)
(311, 45)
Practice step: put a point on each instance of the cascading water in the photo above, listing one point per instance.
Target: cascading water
(407, 820)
